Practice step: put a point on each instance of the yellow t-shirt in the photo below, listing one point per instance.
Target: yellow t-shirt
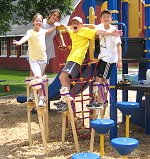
(36, 45)
(80, 43)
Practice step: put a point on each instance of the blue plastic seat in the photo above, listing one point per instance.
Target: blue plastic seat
(124, 146)
(102, 126)
(85, 155)
(21, 99)
(128, 108)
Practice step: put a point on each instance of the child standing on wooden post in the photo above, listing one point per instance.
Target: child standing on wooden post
(37, 49)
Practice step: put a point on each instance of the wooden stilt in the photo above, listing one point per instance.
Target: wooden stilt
(95, 116)
(46, 113)
(64, 116)
(41, 112)
(70, 116)
(92, 140)
(30, 106)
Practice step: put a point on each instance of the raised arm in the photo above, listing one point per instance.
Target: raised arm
(105, 32)
(91, 26)
(66, 28)
(56, 24)
(22, 40)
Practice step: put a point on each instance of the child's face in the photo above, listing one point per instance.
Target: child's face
(53, 18)
(76, 26)
(38, 22)
(106, 19)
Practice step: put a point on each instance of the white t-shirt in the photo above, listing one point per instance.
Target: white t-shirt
(50, 51)
(108, 45)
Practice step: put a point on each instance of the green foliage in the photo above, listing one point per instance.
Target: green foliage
(6, 10)
(26, 9)
(22, 11)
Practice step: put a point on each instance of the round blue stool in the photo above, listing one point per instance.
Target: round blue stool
(124, 146)
(101, 126)
(21, 99)
(85, 155)
(127, 108)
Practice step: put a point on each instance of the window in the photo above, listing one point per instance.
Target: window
(13, 48)
(24, 49)
(3, 44)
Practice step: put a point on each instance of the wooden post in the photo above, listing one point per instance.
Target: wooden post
(70, 115)
(41, 112)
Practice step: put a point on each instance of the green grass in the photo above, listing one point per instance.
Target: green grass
(16, 81)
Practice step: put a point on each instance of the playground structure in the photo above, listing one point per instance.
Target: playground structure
(136, 50)
(134, 34)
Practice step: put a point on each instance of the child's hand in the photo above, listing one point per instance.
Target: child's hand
(119, 64)
(15, 42)
(62, 47)
(117, 32)
(56, 24)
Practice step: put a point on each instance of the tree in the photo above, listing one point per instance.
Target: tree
(6, 9)
(26, 9)
(22, 11)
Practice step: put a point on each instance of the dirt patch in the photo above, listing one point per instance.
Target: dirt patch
(14, 136)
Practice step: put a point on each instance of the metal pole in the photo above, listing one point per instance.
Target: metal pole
(112, 6)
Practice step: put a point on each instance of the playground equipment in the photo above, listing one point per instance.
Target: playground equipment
(127, 109)
(101, 126)
(138, 51)
(42, 112)
(85, 155)
(124, 146)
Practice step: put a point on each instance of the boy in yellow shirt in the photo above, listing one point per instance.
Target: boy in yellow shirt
(80, 37)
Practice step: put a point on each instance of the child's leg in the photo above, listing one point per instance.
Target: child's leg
(38, 68)
(65, 80)
(42, 98)
(105, 81)
(99, 97)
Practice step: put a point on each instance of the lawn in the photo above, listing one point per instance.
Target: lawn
(16, 81)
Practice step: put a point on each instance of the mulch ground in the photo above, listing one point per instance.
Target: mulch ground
(14, 136)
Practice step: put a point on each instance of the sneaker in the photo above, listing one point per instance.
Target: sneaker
(58, 103)
(42, 102)
(62, 107)
(31, 98)
(94, 105)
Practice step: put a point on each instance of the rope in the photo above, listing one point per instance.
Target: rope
(37, 84)
(42, 85)
(100, 86)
